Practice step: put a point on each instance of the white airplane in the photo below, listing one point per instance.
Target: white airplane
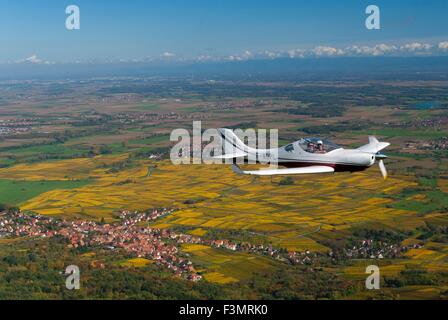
(310, 155)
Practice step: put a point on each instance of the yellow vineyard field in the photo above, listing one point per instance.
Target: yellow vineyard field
(214, 197)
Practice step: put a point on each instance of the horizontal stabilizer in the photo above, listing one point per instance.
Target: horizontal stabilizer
(374, 146)
(271, 172)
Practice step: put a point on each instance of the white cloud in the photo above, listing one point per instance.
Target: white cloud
(359, 50)
(326, 51)
(416, 47)
(377, 50)
(247, 54)
(168, 55)
(355, 50)
(205, 57)
(33, 60)
(234, 58)
(270, 54)
(443, 45)
(296, 53)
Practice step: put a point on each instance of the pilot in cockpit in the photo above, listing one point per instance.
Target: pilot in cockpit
(316, 147)
(320, 147)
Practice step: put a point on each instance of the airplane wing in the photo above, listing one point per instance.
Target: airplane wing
(238, 154)
(271, 172)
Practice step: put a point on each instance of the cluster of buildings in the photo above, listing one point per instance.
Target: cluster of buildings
(302, 257)
(367, 249)
(137, 117)
(436, 122)
(370, 249)
(293, 257)
(13, 127)
(135, 240)
(440, 144)
(135, 217)
(18, 224)
(133, 236)
(236, 105)
(129, 235)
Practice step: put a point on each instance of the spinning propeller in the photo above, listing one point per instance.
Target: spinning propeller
(374, 147)
(381, 157)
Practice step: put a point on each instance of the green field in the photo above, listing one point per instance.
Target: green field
(15, 192)
(151, 140)
(47, 149)
(148, 107)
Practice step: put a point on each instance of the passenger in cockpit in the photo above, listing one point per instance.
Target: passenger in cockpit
(311, 147)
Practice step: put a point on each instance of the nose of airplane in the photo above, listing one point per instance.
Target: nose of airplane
(371, 159)
(368, 159)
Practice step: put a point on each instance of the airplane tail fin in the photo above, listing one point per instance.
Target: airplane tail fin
(232, 144)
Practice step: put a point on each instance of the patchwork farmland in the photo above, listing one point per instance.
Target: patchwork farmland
(306, 237)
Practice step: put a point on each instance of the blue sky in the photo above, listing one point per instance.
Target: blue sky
(189, 29)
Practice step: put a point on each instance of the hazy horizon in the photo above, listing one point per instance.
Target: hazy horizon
(352, 67)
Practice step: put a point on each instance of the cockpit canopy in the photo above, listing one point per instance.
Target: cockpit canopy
(317, 145)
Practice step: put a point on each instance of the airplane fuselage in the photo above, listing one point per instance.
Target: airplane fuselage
(339, 159)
